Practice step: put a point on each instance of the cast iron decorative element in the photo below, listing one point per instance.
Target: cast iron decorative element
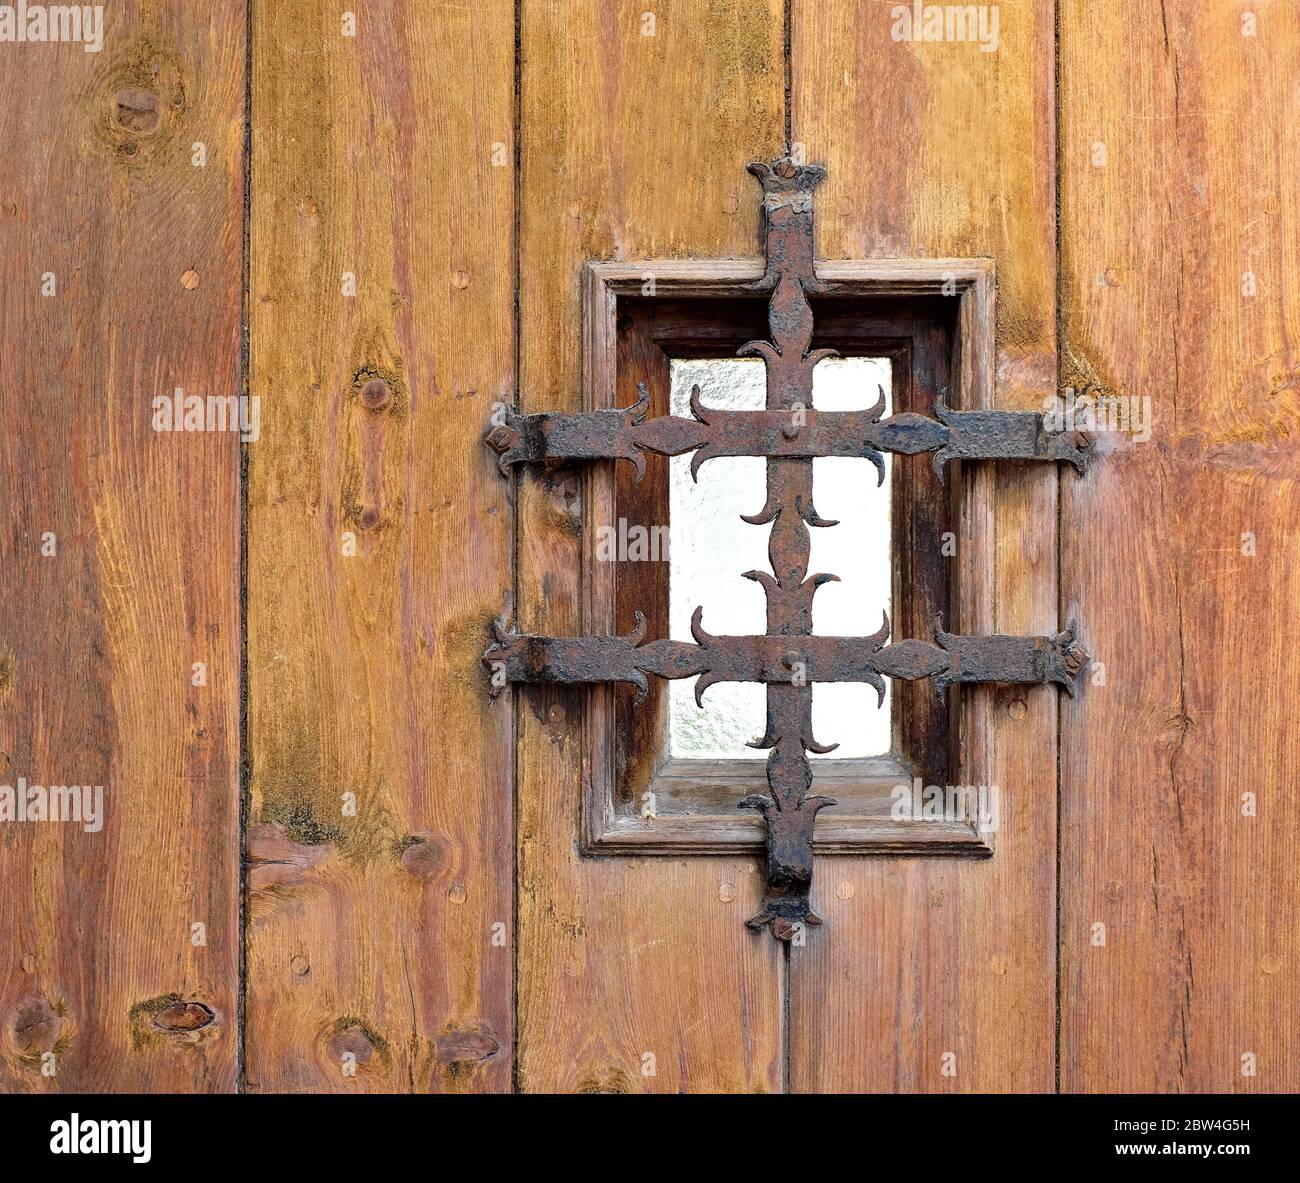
(788, 659)
(627, 435)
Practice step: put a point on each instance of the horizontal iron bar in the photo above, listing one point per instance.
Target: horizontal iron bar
(802, 434)
(798, 660)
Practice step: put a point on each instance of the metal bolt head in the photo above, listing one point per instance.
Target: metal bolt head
(502, 437)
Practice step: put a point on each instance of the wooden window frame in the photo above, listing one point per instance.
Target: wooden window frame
(903, 306)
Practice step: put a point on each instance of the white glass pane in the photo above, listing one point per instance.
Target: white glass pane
(711, 547)
(845, 490)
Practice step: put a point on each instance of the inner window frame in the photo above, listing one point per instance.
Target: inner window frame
(637, 798)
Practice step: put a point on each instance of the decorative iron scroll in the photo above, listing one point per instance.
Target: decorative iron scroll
(789, 433)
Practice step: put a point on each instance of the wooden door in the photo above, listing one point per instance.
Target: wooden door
(268, 650)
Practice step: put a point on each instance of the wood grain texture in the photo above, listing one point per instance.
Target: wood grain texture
(1200, 961)
(382, 541)
(98, 638)
(634, 146)
(384, 935)
(942, 149)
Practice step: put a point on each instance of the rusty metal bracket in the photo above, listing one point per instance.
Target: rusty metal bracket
(775, 658)
(627, 435)
(788, 659)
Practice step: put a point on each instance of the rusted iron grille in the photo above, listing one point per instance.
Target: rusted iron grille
(790, 432)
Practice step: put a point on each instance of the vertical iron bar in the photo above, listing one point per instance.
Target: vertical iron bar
(789, 811)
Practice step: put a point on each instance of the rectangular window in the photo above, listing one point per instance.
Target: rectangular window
(665, 775)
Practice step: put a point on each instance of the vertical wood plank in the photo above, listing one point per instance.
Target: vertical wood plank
(635, 138)
(379, 936)
(943, 149)
(120, 551)
(1178, 153)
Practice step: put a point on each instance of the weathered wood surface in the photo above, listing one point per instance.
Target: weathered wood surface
(943, 150)
(1182, 552)
(634, 145)
(384, 935)
(98, 638)
(390, 937)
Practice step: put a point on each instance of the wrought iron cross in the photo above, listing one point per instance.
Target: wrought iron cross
(789, 433)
